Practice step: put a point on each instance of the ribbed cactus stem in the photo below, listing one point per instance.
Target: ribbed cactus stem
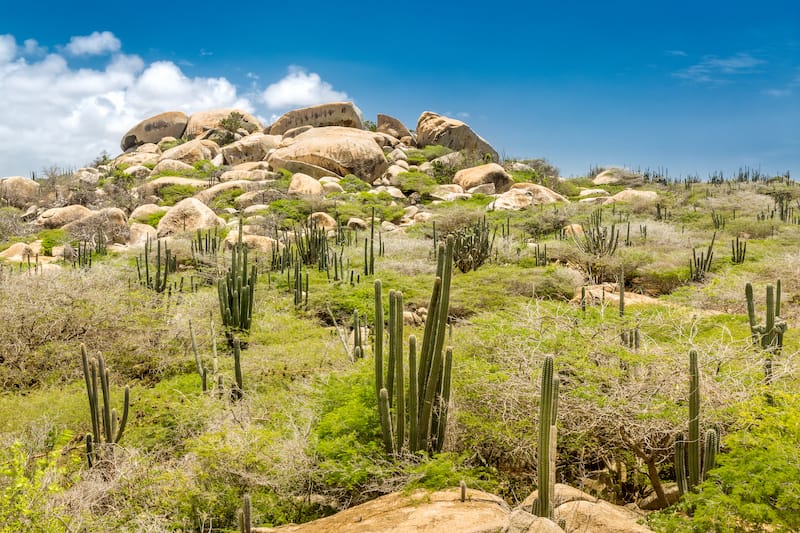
(621, 292)
(378, 337)
(710, 452)
(237, 393)
(693, 446)
(413, 393)
(751, 311)
(545, 418)
(769, 329)
(680, 465)
(245, 521)
(386, 420)
(399, 384)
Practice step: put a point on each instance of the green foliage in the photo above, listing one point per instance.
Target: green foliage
(154, 218)
(364, 202)
(51, 238)
(226, 199)
(417, 156)
(415, 181)
(172, 194)
(27, 481)
(756, 485)
(290, 210)
(473, 245)
(447, 470)
(352, 183)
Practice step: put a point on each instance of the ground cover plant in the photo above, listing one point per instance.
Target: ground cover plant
(285, 405)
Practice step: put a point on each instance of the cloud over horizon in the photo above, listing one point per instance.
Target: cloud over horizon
(57, 114)
(715, 70)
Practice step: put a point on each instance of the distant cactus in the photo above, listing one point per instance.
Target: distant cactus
(700, 266)
(548, 412)
(235, 291)
(738, 251)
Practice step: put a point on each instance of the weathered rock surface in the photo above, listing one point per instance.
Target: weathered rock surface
(524, 522)
(418, 512)
(18, 191)
(139, 233)
(111, 223)
(323, 220)
(252, 148)
(189, 214)
(304, 185)
(332, 114)
(484, 174)
(191, 152)
(256, 243)
(618, 176)
(202, 121)
(57, 217)
(522, 195)
(155, 128)
(393, 127)
(338, 150)
(438, 129)
(629, 195)
(171, 166)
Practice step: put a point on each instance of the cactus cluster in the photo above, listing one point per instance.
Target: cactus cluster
(235, 291)
(699, 266)
(597, 239)
(688, 456)
(424, 404)
(155, 277)
(473, 245)
(768, 334)
(107, 425)
(738, 251)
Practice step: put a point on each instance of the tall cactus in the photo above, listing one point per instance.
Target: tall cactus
(107, 426)
(548, 412)
(688, 454)
(769, 334)
(424, 404)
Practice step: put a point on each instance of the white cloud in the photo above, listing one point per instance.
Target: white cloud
(8, 48)
(95, 44)
(676, 53)
(300, 88)
(54, 114)
(713, 69)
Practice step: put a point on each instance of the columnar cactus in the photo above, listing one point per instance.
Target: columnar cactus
(688, 454)
(424, 405)
(548, 411)
(769, 334)
(107, 426)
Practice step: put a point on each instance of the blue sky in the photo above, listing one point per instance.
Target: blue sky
(687, 87)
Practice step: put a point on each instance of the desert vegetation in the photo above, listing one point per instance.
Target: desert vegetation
(637, 350)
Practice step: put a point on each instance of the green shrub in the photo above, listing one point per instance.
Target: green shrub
(290, 209)
(226, 199)
(153, 218)
(417, 156)
(352, 183)
(51, 238)
(362, 205)
(172, 194)
(415, 181)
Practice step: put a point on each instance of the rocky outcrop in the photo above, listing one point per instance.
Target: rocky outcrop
(139, 233)
(522, 195)
(18, 191)
(343, 114)
(304, 185)
(629, 195)
(618, 176)
(153, 129)
(393, 127)
(187, 215)
(57, 217)
(192, 152)
(257, 243)
(111, 223)
(152, 188)
(417, 512)
(250, 149)
(204, 121)
(340, 151)
(438, 129)
(483, 174)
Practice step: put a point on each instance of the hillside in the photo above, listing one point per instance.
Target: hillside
(230, 274)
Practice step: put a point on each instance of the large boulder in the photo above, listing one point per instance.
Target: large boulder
(518, 197)
(203, 121)
(483, 174)
(111, 223)
(304, 185)
(132, 159)
(145, 211)
(153, 129)
(338, 150)
(257, 243)
(629, 195)
(18, 191)
(252, 148)
(188, 215)
(57, 217)
(191, 152)
(438, 129)
(618, 176)
(393, 127)
(332, 114)
(140, 233)
(417, 512)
